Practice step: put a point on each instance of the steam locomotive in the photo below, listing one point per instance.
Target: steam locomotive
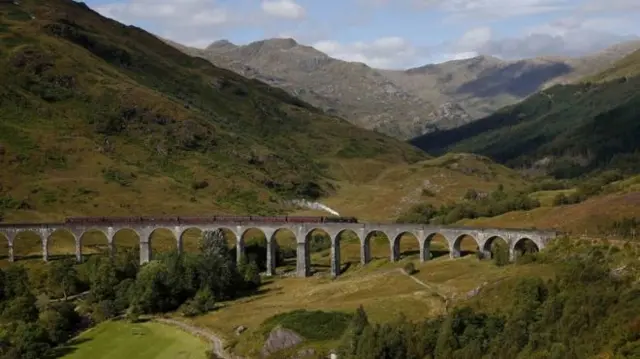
(226, 219)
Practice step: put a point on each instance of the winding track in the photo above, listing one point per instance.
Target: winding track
(216, 341)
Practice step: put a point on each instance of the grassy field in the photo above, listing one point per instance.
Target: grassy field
(115, 340)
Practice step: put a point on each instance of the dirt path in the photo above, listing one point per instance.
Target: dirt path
(216, 342)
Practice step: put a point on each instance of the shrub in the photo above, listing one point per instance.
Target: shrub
(312, 325)
(427, 193)
(133, 313)
(199, 185)
(500, 253)
(410, 268)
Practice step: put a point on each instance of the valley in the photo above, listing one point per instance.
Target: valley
(102, 119)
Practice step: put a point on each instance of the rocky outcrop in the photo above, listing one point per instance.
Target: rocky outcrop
(280, 339)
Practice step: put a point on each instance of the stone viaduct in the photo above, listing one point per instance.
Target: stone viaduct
(364, 231)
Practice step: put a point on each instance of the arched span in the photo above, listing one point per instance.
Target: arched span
(317, 241)
(189, 239)
(94, 241)
(5, 251)
(376, 243)
(61, 242)
(489, 245)
(347, 249)
(524, 245)
(440, 248)
(253, 244)
(457, 250)
(162, 239)
(412, 248)
(125, 238)
(27, 243)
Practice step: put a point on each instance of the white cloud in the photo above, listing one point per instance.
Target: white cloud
(385, 52)
(189, 12)
(586, 26)
(571, 36)
(287, 9)
(611, 5)
(190, 22)
(488, 9)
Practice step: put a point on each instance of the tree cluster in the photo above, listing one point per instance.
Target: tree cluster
(473, 206)
(32, 327)
(588, 187)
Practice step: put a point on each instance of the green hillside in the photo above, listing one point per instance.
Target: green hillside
(626, 67)
(101, 118)
(575, 128)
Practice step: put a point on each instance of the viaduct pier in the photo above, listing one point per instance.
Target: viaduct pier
(301, 229)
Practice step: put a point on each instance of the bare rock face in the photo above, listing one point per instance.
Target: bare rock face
(279, 339)
(241, 329)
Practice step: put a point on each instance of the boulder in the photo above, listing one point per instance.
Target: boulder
(240, 329)
(279, 339)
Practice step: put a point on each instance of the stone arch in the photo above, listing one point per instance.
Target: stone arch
(346, 244)
(189, 239)
(27, 244)
(442, 247)
(317, 241)
(126, 239)
(61, 242)
(94, 241)
(282, 249)
(5, 247)
(397, 251)
(524, 245)
(457, 249)
(374, 245)
(487, 247)
(161, 240)
(254, 244)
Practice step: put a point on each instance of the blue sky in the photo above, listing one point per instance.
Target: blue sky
(393, 33)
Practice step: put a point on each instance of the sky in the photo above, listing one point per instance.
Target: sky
(392, 34)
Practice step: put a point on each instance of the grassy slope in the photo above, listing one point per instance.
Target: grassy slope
(140, 341)
(622, 200)
(596, 121)
(628, 66)
(443, 179)
(98, 118)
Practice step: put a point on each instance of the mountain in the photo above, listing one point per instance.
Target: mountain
(99, 118)
(406, 103)
(353, 90)
(566, 130)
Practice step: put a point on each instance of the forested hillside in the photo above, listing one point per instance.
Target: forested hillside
(567, 130)
(101, 118)
(589, 310)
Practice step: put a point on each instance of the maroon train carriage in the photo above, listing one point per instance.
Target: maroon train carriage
(209, 219)
(269, 219)
(233, 219)
(304, 219)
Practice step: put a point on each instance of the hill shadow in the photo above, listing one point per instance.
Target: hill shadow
(66, 349)
(513, 79)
